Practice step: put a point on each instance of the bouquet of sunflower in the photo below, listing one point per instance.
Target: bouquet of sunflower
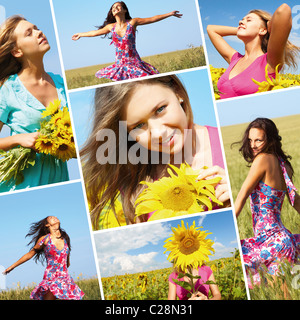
(56, 138)
(189, 249)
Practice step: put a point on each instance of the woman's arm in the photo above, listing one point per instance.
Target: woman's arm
(216, 34)
(27, 256)
(279, 29)
(172, 291)
(140, 21)
(256, 173)
(214, 289)
(26, 140)
(93, 33)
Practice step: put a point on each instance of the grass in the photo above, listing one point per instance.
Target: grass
(237, 169)
(153, 285)
(165, 62)
(90, 287)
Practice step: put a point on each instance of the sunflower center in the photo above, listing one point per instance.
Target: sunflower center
(63, 147)
(177, 198)
(47, 144)
(189, 245)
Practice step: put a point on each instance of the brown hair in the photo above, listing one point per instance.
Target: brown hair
(8, 63)
(291, 51)
(104, 181)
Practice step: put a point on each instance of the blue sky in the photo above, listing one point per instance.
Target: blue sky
(142, 245)
(196, 83)
(172, 34)
(230, 12)
(19, 210)
(278, 103)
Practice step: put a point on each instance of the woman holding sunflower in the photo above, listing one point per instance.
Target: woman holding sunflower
(148, 140)
(26, 89)
(191, 278)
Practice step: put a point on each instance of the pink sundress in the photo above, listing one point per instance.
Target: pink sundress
(56, 276)
(272, 242)
(128, 64)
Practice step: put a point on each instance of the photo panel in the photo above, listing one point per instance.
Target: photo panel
(268, 221)
(98, 48)
(23, 217)
(154, 256)
(252, 47)
(150, 149)
(38, 146)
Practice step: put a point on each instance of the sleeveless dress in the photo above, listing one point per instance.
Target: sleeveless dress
(204, 272)
(56, 276)
(272, 242)
(242, 83)
(128, 64)
(21, 112)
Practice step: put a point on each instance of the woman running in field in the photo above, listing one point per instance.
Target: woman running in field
(128, 64)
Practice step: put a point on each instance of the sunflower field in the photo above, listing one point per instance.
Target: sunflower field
(280, 81)
(153, 285)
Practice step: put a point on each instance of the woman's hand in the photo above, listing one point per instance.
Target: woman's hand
(8, 270)
(76, 36)
(222, 189)
(198, 296)
(176, 14)
(27, 140)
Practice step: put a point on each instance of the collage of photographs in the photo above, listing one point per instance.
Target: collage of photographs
(149, 152)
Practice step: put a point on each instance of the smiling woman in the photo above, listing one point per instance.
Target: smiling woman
(159, 133)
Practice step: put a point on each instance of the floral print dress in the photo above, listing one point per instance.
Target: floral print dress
(56, 277)
(272, 242)
(128, 64)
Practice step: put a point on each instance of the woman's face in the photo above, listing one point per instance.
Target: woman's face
(30, 41)
(250, 26)
(52, 220)
(156, 119)
(117, 8)
(257, 140)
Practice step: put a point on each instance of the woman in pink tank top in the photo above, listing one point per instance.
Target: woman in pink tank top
(266, 43)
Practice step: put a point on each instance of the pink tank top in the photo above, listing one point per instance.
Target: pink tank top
(242, 83)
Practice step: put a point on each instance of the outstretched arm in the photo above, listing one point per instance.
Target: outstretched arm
(279, 28)
(256, 173)
(93, 33)
(27, 256)
(140, 21)
(216, 34)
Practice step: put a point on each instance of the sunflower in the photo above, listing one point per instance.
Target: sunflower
(179, 194)
(188, 247)
(52, 109)
(45, 144)
(66, 150)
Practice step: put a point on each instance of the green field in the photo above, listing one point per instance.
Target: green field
(154, 285)
(165, 62)
(289, 128)
(90, 287)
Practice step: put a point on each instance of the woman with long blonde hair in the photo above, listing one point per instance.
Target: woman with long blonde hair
(26, 89)
(265, 37)
(151, 122)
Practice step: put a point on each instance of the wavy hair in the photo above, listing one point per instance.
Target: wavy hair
(8, 63)
(291, 50)
(38, 230)
(273, 143)
(111, 19)
(104, 181)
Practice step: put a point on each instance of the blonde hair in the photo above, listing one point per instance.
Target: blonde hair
(104, 181)
(291, 50)
(8, 63)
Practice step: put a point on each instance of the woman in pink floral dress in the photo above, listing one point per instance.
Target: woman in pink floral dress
(267, 183)
(52, 243)
(128, 64)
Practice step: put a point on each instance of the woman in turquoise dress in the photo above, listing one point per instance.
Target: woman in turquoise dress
(26, 89)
